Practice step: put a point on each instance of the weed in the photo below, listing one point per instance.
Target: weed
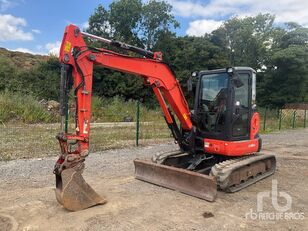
(23, 108)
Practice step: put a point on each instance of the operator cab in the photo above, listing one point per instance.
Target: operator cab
(224, 103)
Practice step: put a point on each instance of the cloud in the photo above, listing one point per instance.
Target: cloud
(200, 27)
(213, 8)
(11, 28)
(36, 31)
(53, 48)
(26, 50)
(6, 4)
(285, 10)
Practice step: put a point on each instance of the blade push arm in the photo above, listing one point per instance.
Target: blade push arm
(80, 58)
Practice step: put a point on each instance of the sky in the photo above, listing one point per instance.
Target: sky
(36, 26)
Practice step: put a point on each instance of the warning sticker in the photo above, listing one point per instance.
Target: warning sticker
(185, 116)
(67, 46)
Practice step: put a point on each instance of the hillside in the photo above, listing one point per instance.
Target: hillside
(22, 60)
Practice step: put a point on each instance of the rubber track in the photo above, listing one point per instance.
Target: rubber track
(223, 170)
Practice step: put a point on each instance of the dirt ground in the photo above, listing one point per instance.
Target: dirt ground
(27, 200)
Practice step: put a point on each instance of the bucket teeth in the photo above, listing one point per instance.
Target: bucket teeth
(73, 192)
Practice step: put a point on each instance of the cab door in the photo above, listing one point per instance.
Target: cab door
(241, 105)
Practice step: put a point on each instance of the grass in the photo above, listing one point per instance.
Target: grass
(23, 108)
(27, 130)
(38, 140)
(15, 107)
(115, 109)
(285, 118)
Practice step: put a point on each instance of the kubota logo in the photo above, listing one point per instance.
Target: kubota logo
(281, 208)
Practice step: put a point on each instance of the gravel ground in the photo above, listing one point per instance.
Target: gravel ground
(27, 200)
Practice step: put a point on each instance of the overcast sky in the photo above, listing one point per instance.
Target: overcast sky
(37, 26)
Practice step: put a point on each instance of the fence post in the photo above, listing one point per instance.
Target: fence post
(137, 123)
(66, 120)
(66, 112)
(280, 117)
(264, 120)
(305, 119)
(293, 122)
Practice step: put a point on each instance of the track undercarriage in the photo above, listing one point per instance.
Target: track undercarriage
(201, 175)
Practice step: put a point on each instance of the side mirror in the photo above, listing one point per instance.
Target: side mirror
(192, 81)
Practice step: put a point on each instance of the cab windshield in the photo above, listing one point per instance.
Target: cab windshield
(213, 102)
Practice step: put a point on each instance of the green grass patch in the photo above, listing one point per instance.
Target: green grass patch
(38, 140)
(115, 109)
(23, 108)
(273, 120)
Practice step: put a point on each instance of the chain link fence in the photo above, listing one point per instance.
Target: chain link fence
(134, 126)
(278, 119)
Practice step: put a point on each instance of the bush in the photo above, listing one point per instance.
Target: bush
(16, 107)
(115, 109)
(23, 108)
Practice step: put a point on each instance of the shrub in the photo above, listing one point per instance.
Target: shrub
(23, 108)
(115, 109)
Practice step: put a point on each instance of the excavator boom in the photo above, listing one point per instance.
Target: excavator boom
(77, 60)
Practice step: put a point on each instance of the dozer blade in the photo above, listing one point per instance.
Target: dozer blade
(74, 193)
(185, 181)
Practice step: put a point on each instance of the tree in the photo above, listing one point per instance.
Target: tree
(99, 22)
(298, 36)
(7, 75)
(41, 81)
(133, 22)
(286, 81)
(124, 19)
(188, 54)
(156, 19)
(246, 40)
(279, 54)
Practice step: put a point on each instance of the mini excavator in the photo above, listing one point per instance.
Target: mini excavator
(219, 142)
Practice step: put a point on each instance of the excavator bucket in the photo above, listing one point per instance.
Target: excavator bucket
(185, 181)
(74, 193)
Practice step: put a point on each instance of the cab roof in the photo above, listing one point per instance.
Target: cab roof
(225, 69)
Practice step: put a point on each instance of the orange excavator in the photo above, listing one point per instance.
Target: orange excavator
(218, 139)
